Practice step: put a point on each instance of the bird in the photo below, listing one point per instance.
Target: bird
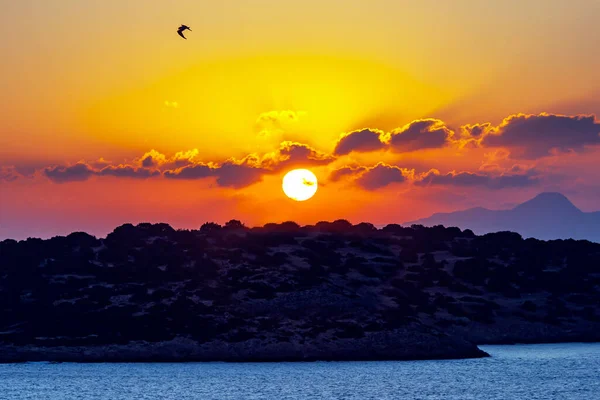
(181, 29)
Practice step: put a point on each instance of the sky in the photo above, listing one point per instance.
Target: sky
(400, 108)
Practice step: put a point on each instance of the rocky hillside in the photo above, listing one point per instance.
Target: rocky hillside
(282, 292)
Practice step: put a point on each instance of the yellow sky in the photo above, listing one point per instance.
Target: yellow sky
(89, 79)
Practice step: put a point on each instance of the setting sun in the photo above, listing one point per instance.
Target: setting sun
(299, 184)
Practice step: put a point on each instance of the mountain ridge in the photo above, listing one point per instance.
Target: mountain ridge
(547, 216)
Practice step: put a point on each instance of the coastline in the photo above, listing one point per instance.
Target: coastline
(29, 355)
(377, 346)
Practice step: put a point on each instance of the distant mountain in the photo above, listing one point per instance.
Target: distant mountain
(547, 216)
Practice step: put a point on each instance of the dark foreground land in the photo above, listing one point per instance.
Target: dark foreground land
(283, 292)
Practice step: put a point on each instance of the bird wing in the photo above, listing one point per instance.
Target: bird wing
(181, 29)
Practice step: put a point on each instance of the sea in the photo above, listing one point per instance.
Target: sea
(528, 372)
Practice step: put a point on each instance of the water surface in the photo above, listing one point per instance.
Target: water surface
(550, 371)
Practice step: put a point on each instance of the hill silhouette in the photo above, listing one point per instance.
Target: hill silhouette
(332, 291)
(547, 216)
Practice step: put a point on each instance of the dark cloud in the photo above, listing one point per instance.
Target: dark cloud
(82, 171)
(520, 169)
(372, 178)
(197, 171)
(292, 154)
(382, 175)
(229, 174)
(420, 134)
(527, 136)
(152, 159)
(127, 171)
(250, 169)
(61, 174)
(536, 136)
(476, 130)
(99, 163)
(148, 162)
(340, 173)
(362, 141)
(184, 165)
(238, 175)
(183, 158)
(9, 174)
(434, 177)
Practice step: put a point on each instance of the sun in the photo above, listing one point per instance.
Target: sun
(299, 184)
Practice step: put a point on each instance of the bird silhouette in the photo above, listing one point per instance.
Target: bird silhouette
(181, 29)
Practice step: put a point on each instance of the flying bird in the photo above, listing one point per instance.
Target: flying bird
(181, 29)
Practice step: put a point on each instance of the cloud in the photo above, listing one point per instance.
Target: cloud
(250, 169)
(235, 174)
(232, 172)
(77, 172)
(238, 175)
(293, 154)
(518, 179)
(272, 124)
(127, 171)
(197, 171)
(518, 141)
(82, 171)
(471, 135)
(9, 174)
(278, 117)
(184, 157)
(375, 177)
(152, 158)
(420, 134)
(476, 130)
(536, 136)
(382, 175)
(361, 141)
(343, 172)
(148, 162)
(525, 135)
(100, 163)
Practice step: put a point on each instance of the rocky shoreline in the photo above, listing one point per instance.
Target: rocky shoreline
(406, 344)
(392, 346)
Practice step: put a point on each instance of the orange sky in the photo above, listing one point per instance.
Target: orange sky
(261, 87)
